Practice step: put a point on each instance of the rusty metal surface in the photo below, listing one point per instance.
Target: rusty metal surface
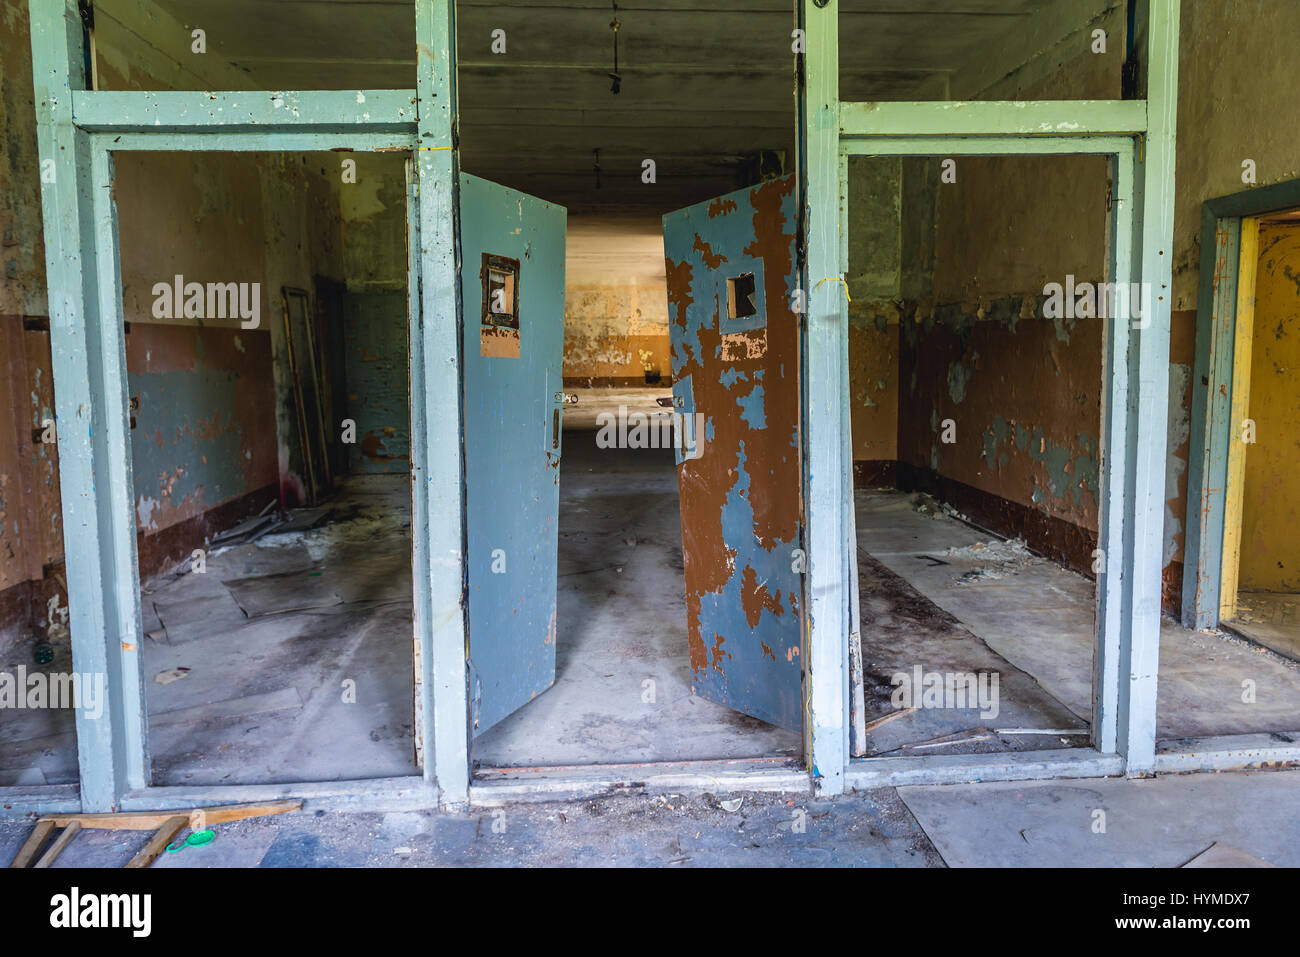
(740, 498)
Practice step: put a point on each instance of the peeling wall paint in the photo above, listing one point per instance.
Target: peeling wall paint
(204, 419)
(873, 384)
(1025, 406)
(616, 302)
(22, 245)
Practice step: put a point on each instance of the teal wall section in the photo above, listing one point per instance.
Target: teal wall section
(378, 380)
(204, 419)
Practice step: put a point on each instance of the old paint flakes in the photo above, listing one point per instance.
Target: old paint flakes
(741, 497)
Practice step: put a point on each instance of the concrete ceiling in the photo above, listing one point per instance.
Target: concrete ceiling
(705, 83)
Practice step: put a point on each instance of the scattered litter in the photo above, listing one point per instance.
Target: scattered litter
(158, 636)
(731, 807)
(170, 675)
(402, 851)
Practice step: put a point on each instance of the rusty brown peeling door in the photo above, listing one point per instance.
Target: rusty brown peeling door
(735, 357)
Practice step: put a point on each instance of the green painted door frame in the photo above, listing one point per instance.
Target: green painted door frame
(78, 132)
(1212, 390)
(1141, 136)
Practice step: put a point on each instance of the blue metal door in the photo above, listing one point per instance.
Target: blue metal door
(512, 287)
(735, 354)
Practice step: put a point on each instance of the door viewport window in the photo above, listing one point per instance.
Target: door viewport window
(742, 297)
(500, 277)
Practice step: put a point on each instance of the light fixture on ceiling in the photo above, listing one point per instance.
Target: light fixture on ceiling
(616, 79)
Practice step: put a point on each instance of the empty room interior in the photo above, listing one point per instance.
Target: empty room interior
(629, 246)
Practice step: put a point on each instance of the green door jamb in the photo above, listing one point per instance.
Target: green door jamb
(827, 489)
(1137, 359)
(78, 130)
(88, 351)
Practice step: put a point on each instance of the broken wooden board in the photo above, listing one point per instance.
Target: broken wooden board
(33, 844)
(158, 843)
(165, 825)
(63, 840)
(198, 818)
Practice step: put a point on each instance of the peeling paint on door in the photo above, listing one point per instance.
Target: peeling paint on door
(740, 499)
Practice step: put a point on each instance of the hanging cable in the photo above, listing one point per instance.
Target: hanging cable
(616, 79)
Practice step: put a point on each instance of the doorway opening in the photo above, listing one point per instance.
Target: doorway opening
(266, 305)
(976, 357)
(645, 642)
(1260, 591)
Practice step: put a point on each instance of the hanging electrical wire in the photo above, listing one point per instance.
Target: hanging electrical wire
(616, 79)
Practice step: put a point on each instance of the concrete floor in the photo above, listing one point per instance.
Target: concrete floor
(917, 609)
(271, 637)
(39, 745)
(621, 621)
(1039, 618)
(1270, 619)
(271, 633)
(1157, 822)
(1164, 822)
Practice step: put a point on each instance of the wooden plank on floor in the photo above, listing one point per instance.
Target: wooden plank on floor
(33, 844)
(62, 841)
(161, 838)
(200, 817)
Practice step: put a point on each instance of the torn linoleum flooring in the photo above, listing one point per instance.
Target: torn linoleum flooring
(289, 658)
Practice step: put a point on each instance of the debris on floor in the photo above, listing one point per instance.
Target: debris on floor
(998, 559)
(928, 505)
(165, 824)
